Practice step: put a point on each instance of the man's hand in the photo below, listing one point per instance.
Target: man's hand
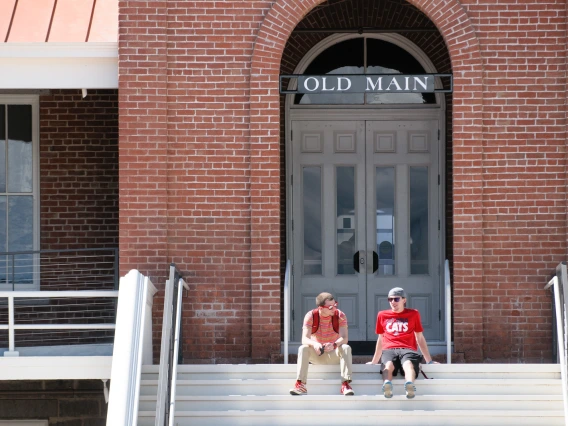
(328, 347)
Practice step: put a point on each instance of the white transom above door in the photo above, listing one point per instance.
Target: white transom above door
(366, 218)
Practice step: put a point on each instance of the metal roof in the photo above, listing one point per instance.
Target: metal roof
(67, 21)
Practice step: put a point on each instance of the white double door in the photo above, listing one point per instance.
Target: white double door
(366, 218)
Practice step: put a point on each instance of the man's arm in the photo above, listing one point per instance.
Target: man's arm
(341, 340)
(378, 350)
(421, 340)
(307, 334)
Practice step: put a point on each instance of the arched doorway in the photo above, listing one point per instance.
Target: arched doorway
(365, 203)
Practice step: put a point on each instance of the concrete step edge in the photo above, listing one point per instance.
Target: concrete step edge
(363, 413)
(469, 397)
(325, 382)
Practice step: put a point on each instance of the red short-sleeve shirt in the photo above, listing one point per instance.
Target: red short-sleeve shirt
(325, 333)
(398, 328)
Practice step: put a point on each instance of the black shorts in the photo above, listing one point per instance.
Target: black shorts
(399, 356)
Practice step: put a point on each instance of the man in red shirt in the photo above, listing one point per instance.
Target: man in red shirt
(400, 333)
(324, 341)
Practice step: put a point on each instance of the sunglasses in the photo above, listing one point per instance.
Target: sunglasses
(394, 299)
(331, 307)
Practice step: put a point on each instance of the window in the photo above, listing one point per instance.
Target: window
(19, 184)
(364, 56)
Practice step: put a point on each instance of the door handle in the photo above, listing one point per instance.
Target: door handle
(375, 261)
(358, 259)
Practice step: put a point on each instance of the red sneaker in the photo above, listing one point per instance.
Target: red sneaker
(346, 389)
(299, 388)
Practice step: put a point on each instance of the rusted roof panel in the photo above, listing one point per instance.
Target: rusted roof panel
(71, 21)
(31, 20)
(6, 9)
(58, 20)
(105, 21)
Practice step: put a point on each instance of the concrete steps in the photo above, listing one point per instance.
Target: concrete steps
(457, 394)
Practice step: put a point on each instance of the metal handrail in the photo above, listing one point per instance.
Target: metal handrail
(448, 290)
(286, 310)
(12, 326)
(170, 348)
(175, 358)
(561, 329)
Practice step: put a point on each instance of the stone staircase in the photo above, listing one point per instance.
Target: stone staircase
(457, 394)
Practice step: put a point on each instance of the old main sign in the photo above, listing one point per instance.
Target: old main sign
(366, 83)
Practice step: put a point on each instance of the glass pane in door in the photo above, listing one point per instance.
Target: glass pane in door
(311, 200)
(345, 219)
(419, 220)
(384, 188)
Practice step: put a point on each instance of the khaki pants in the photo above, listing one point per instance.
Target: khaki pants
(341, 356)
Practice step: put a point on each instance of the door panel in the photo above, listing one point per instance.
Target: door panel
(402, 218)
(331, 214)
(368, 189)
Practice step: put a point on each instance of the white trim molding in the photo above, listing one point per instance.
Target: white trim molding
(55, 368)
(59, 65)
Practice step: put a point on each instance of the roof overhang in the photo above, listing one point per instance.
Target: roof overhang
(89, 65)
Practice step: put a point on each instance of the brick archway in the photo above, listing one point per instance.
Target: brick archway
(454, 25)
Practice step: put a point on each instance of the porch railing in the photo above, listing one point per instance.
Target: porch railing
(71, 269)
(559, 285)
(59, 324)
(47, 297)
(170, 351)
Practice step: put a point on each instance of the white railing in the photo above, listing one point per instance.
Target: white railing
(286, 310)
(560, 288)
(132, 347)
(167, 376)
(448, 291)
(12, 326)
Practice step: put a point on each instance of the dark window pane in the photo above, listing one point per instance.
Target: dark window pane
(2, 148)
(346, 57)
(20, 123)
(20, 167)
(387, 58)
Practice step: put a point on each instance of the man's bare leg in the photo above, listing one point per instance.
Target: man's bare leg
(409, 375)
(387, 377)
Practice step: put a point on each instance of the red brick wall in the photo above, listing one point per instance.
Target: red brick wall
(60, 402)
(79, 169)
(200, 169)
(524, 172)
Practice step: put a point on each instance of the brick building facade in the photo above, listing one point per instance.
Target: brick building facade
(188, 160)
(202, 159)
